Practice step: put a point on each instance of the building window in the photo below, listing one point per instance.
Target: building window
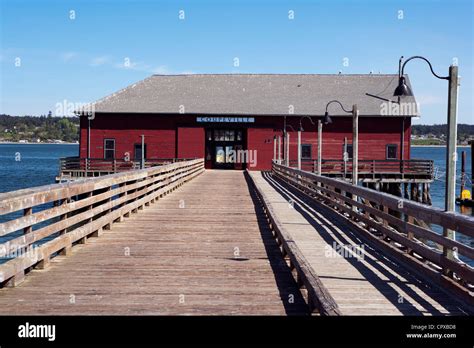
(349, 151)
(138, 152)
(391, 151)
(225, 135)
(306, 151)
(109, 148)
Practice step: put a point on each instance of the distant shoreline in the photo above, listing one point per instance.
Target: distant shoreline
(17, 143)
(438, 146)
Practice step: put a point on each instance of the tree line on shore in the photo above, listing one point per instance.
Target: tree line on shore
(436, 134)
(39, 129)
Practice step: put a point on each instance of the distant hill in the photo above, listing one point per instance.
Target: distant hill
(465, 131)
(42, 128)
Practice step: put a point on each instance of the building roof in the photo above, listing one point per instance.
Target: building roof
(258, 94)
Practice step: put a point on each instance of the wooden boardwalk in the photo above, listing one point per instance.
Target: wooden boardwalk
(204, 249)
(180, 240)
(364, 281)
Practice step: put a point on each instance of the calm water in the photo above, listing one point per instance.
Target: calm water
(28, 165)
(438, 155)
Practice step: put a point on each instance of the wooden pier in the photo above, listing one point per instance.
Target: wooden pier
(178, 239)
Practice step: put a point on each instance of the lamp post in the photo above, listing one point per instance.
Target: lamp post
(355, 136)
(299, 138)
(451, 155)
(90, 117)
(142, 159)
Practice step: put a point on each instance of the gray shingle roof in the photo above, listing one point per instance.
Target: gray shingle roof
(255, 94)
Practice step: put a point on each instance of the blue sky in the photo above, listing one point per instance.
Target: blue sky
(82, 59)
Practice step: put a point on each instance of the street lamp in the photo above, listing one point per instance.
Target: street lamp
(327, 119)
(451, 155)
(355, 138)
(299, 138)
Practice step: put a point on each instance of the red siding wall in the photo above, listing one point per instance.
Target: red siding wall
(160, 135)
(170, 136)
(374, 135)
(191, 142)
(261, 141)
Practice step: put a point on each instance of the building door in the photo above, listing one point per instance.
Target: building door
(224, 148)
(138, 152)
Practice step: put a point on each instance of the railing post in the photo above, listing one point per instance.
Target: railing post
(26, 212)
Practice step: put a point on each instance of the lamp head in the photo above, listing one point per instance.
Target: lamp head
(402, 89)
(327, 119)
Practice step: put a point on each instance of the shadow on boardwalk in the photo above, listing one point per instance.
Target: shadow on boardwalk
(376, 268)
(291, 296)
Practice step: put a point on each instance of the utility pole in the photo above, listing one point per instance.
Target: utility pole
(279, 149)
(451, 153)
(274, 148)
(320, 146)
(345, 157)
(355, 150)
(355, 144)
(299, 149)
(142, 165)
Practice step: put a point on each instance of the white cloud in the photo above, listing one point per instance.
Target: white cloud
(68, 56)
(142, 66)
(427, 99)
(129, 64)
(161, 70)
(101, 60)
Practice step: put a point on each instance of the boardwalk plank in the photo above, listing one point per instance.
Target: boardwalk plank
(361, 283)
(152, 260)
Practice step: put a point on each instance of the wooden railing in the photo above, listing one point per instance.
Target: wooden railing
(402, 228)
(371, 169)
(39, 223)
(75, 167)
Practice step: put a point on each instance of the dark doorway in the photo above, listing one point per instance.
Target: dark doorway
(224, 148)
(138, 152)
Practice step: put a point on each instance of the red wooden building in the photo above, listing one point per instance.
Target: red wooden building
(189, 116)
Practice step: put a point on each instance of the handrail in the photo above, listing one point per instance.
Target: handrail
(418, 168)
(84, 167)
(43, 221)
(398, 223)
